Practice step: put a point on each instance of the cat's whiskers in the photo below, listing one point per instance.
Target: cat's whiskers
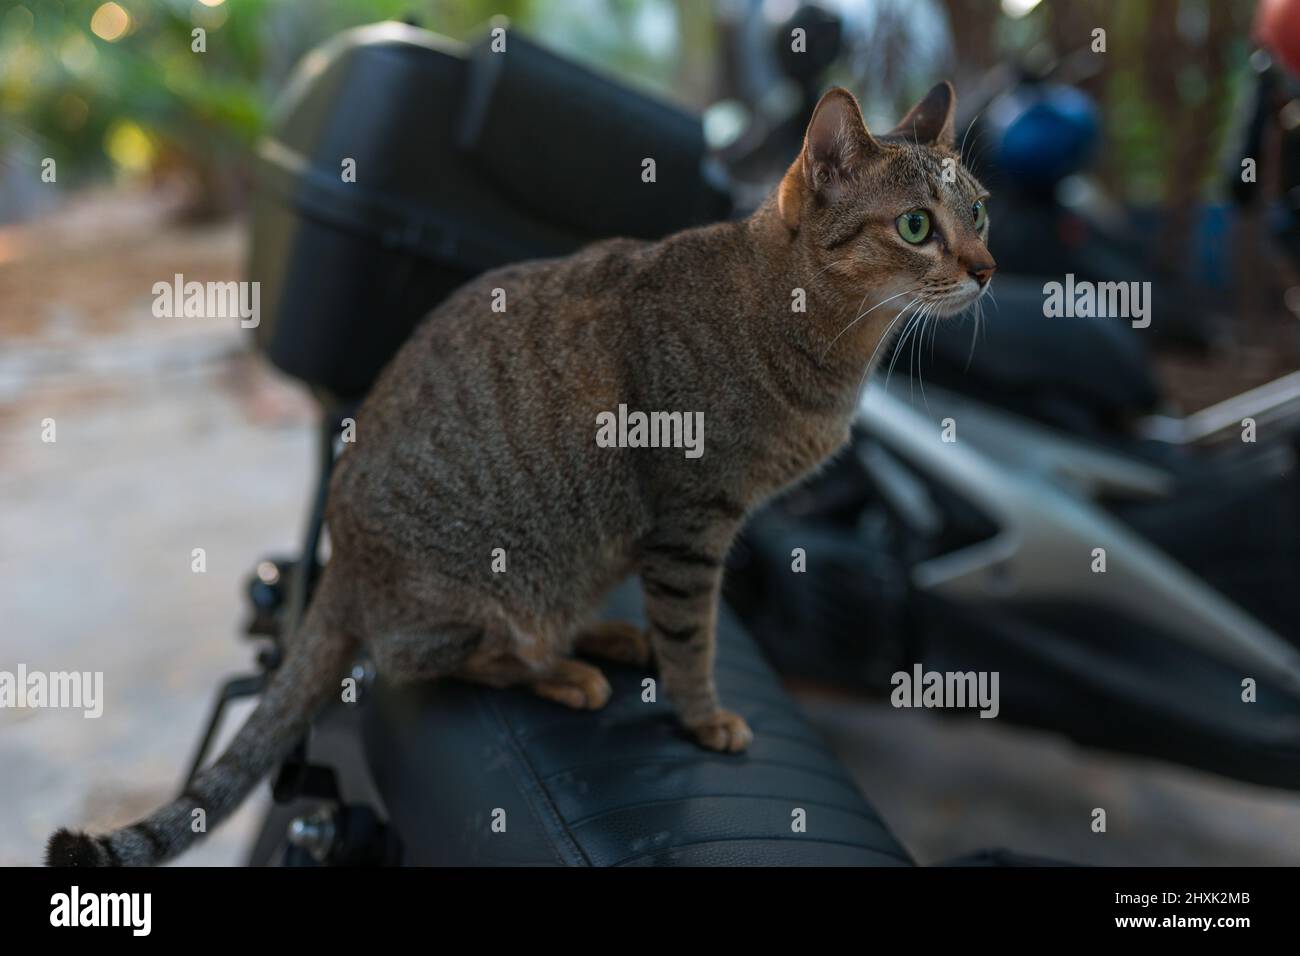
(978, 306)
(863, 315)
(934, 334)
(908, 329)
(902, 340)
(911, 355)
(968, 159)
(961, 150)
(884, 338)
(920, 356)
(994, 300)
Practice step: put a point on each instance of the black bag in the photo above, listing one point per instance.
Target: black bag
(465, 159)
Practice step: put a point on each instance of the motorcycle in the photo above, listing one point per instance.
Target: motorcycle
(974, 554)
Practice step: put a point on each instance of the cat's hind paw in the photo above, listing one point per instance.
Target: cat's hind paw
(619, 641)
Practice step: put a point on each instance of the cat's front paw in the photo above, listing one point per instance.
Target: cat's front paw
(722, 731)
(575, 684)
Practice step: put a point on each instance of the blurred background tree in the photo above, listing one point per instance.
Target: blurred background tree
(126, 87)
(116, 87)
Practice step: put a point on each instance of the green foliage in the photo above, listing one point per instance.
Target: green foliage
(144, 96)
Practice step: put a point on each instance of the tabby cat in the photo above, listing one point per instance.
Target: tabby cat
(476, 523)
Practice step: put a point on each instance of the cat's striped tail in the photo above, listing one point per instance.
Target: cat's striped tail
(303, 682)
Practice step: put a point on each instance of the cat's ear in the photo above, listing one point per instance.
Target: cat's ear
(836, 141)
(930, 122)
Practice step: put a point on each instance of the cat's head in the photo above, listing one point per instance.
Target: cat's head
(888, 215)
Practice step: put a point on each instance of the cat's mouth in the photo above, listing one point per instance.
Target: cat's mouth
(961, 300)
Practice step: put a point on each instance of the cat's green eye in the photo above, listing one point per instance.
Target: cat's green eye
(914, 226)
(980, 213)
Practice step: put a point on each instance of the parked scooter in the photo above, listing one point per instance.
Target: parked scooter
(1097, 571)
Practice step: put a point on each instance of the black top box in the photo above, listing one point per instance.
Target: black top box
(465, 159)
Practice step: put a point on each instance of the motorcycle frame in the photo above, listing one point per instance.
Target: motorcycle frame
(1040, 489)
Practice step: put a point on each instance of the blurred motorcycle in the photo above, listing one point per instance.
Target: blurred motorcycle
(1031, 510)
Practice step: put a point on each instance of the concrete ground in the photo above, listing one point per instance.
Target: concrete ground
(172, 436)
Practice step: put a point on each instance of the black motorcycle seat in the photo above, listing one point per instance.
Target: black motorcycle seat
(474, 776)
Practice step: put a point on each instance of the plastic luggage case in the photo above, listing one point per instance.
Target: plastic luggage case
(465, 159)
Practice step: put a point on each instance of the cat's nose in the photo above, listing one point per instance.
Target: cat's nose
(982, 272)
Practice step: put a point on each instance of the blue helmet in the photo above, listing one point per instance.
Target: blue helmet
(1043, 133)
